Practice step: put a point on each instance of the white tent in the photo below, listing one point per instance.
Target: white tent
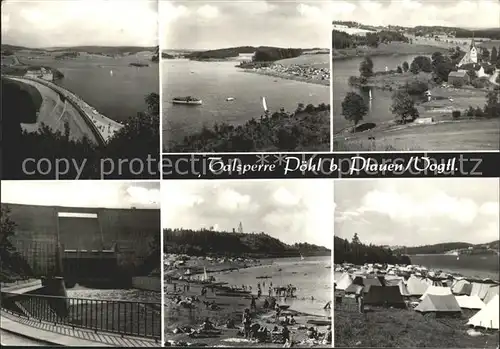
(492, 291)
(470, 302)
(488, 316)
(437, 291)
(416, 286)
(344, 282)
(479, 289)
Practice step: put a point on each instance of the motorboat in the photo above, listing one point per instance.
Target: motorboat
(187, 100)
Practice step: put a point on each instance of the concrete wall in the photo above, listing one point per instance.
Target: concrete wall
(147, 283)
(131, 230)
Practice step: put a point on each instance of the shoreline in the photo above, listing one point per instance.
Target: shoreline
(286, 76)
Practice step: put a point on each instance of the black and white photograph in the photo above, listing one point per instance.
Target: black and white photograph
(416, 263)
(247, 263)
(416, 75)
(244, 76)
(81, 264)
(80, 84)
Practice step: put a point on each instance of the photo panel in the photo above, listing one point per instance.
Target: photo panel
(417, 76)
(248, 262)
(80, 89)
(416, 260)
(81, 263)
(244, 76)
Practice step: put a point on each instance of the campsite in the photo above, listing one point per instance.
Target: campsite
(411, 306)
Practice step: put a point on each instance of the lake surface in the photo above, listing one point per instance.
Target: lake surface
(110, 85)
(381, 100)
(474, 266)
(310, 277)
(213, 82)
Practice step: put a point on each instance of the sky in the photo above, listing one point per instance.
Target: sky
(104, 194)
(54, 23)
(290, 210)
(211, 24)
(411, 13)
(418, 212)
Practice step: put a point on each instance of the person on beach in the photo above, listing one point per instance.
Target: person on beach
(246, 322)
(253, 305)
(266, 304)
(278, 312)
(361, 304)
(270, 291)
(292, 320)
(286, 334)
(259, 293)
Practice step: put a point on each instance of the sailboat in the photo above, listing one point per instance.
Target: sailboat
(370, 94)
(110, 73)
(264, 104)
(301, 257)
(205, 276)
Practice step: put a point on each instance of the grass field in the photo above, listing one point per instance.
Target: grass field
(402, 328)
(455, 135)
(317, 61)
(393, 48)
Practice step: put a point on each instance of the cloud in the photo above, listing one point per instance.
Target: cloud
(418, 212)
(107, 194)
(208, 12)
(292, 211)
(80, 22)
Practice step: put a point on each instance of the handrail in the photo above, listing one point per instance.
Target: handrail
(134, 318)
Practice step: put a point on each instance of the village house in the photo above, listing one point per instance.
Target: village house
(41, 73)
(460, 77)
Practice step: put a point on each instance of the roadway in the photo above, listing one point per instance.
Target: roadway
(9, 338)
(54, 112)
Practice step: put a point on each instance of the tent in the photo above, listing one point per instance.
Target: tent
(415, 286)
(383, 295)
(470, 302)
(438, 304)
(488, 316)
(353, 288)
(367, 281)
(479, 289)
(403, 289)
(462, 287)
(492, 291)
(437, 291)
(344, 282)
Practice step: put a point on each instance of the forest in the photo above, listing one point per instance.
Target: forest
(206, 242)
(357, 253)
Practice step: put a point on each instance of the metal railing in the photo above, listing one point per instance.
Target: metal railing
(141, 319)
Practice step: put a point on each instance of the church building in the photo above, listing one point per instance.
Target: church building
(470, 56)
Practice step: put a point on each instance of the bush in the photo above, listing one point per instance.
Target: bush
(478, 112)
(470, 111)
(455, 114)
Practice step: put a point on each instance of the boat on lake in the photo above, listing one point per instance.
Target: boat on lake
(187, 100)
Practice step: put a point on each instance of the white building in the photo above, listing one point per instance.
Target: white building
(471, 56)
(43, 73)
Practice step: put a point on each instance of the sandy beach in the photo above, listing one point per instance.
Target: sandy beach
(296, 72)
(186, 308)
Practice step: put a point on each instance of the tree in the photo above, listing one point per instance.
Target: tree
(399, 70)
(423, 63)
(366, 67)
(403, 106)
(354, 108)
(7, 229)
(492, 107)
(414, 68)
(485, 55)
(355, 239)
(405, 66)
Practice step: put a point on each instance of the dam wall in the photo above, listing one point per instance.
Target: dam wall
(129, 232)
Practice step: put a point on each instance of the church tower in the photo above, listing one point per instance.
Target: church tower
(473, 51)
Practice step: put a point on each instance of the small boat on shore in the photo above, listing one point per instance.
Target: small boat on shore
(319, 322)
(187, 100)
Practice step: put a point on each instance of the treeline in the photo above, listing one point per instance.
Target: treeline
(67, 55)
(342, 40)
(215, 243)
(138, 139)
(307, 128)
(13, 266)
(262, 53)
(493, 34)
(357, 253)
(271, 54)
(445, 247)
(221, 53)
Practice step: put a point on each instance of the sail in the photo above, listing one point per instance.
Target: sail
(264, 103)
(301, 257)
(111, 72)
(205, 276)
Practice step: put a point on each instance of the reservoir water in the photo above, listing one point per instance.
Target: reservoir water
(381, 100)
(214, 82)
(110, 85)
(310, 276)
(132, 295)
